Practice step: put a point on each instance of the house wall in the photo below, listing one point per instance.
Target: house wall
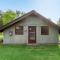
(31, 21)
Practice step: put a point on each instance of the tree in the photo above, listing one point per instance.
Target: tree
(1, 21)
(58, 22)
(8, 16)
(19, 13)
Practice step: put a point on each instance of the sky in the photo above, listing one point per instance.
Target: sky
(47, 8)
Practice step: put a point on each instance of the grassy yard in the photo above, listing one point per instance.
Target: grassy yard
(24, 52)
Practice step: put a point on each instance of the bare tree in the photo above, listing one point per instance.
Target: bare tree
(19, 13)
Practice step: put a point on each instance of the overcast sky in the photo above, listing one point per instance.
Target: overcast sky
(48, 8)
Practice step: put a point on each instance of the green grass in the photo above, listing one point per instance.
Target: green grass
(24, 52)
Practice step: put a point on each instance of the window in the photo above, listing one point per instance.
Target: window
(19, 30)
(44, 30)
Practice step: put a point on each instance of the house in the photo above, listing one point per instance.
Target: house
(31, 28)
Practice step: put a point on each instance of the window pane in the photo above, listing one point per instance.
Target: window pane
(44, 30)
(32, 35)
(19, 30)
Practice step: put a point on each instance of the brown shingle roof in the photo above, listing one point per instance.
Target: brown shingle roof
(26, 15)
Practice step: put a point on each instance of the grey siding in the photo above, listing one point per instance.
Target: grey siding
(31, 21)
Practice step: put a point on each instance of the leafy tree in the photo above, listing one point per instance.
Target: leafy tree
(8, 16)
(1, 20)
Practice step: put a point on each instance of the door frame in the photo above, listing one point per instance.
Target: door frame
(33, 41)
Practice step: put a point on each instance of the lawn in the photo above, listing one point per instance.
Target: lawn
(24, 52)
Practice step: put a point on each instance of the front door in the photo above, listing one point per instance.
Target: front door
(32, 34)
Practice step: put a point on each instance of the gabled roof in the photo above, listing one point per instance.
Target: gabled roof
(26, 15)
